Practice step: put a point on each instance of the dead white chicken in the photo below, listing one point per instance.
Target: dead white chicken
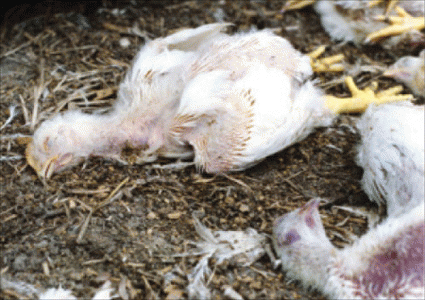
(385, 263)
(388, 261)
(392, 155)
(229, 101)
(365, 21)
(410, 70)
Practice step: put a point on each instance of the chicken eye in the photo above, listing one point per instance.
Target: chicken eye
(291, 237)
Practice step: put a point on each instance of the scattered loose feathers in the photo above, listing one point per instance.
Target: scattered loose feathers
(240, 248)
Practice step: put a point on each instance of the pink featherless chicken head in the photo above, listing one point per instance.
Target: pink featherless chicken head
(301, 226)
(300, 242)
(46, 152)
(410, 70)
(64, 141)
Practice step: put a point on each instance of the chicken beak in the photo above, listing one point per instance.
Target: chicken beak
(30, 158)
(55, 163)
(308, 213)
(45, 170)
(396, 73)
(48, 168)
(41, 170)
(310, 207)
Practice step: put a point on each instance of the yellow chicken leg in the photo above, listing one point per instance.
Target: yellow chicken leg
(390, 5)
(327, 64)
(296, 4)
(361, 99)
(399, 24)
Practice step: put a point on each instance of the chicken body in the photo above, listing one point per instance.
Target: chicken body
(392, 155)
(388, 261)
(229, 101)
(356, 21)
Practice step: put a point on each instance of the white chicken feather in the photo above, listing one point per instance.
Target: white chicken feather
(392, 155)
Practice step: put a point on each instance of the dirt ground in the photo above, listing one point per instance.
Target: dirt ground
(144, 216)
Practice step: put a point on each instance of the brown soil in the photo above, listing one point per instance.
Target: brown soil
(133, 238)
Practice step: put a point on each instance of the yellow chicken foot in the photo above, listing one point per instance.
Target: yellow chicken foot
(296, 4)
(399, 24)
(327, 64)
(390, 5)
(361, 99)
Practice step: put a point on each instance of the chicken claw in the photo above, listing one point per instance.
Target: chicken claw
(296, 4)
(399, 24)
(361, 99)
(327, 64)
(390, 5)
